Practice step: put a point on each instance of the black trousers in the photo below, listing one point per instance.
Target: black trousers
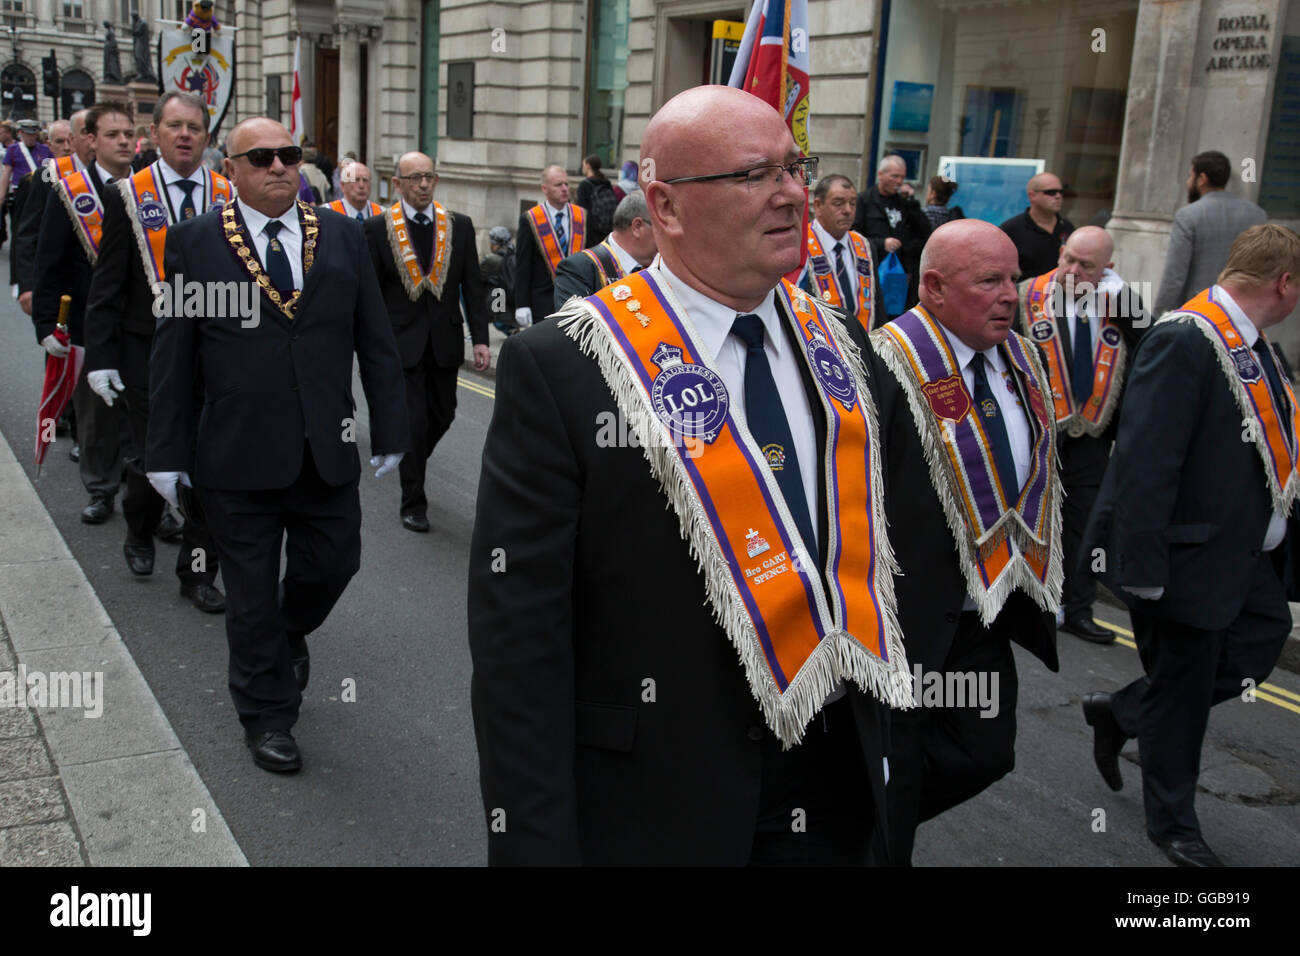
(105, 439)
(431, 407)
(815, 805)
(1083, 465)
(1188, 671)
(942, 756)
(142, 507)
(320, 526)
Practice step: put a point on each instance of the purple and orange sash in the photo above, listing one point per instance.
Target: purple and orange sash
(1108, 358)
(1002, 544)
(374, 209)
(146, 206)
(540, 223)
(414, 278)
(823, 273)
(797, 638)
(608, 267)
(61, 166)
(1250, 389)
(79, 198)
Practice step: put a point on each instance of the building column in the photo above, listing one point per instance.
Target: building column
(350, 130)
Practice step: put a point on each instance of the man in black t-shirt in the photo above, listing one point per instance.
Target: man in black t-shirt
(1040, 231)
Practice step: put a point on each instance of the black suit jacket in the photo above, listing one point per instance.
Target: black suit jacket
(597, 595)
(120, 301)
(271, 388)
(932, 588)
(28, 204)
(913, 229)
(576, 275)
(1183, 505)
(534, 286)
(61, 266)
(430, 321)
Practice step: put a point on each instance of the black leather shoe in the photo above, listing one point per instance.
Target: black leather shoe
(1085, 627)
(1108, 739)
(169, 529)
(97, 511)
(1188, 852)
(139, 558)
(275, 750)
(205, 597)
(416, 523)
(301, 660)
(74, 453)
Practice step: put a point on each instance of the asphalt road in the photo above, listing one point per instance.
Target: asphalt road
(392, 778)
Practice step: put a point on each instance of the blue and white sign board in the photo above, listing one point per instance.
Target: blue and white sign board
(990, 189)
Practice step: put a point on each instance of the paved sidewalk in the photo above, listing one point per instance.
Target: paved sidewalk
(113, 789)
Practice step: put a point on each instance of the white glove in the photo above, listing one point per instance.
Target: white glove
(164, 482)
(54, 346)
(103, 382)
(1147, 594)
(524, 317)
(385, 463)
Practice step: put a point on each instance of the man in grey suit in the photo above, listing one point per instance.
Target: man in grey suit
(1203, 231)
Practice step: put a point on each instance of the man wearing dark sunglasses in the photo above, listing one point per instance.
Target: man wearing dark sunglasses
(1040, 231)
(274, 454)
(138, 212)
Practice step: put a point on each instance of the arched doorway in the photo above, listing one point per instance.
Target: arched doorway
(78, 92)
(18, 92)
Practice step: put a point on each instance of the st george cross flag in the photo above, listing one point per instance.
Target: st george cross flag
(296, 130)
(773, 64)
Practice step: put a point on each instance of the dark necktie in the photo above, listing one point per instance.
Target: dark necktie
(422, 237)
(769, 426)
(1081, 373)
(559, 234)
(187, 204)
(1263, 352)
(360, 217)
(842, 279)
(996, 429)
(277, 260)
(421, 218)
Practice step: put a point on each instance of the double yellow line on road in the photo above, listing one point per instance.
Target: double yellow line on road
(477, 388)
(1265, 691)
(1269, 692)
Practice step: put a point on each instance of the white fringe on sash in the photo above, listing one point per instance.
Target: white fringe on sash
(839, 655)
(1283, 498)
(65, 198)
(1018, 573)
(442, 253)
(142, 242)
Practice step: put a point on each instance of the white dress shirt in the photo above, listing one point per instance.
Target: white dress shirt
(726, 354)
(176, 194)
(410, 211)
(104, 175)
(1010, 404)
(1109, 284)
(1250, 335)
(363, 213)
(625, 260)
(290, 236)
(850, 261)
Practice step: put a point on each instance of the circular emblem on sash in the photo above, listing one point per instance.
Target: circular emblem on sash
(689, 398)
(1110, 335)
(831, 373)
(84, 204)
(1075, 428)
(151, 214)
(1042, 331)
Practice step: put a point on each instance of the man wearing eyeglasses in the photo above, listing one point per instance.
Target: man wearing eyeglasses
(427, 263)
(355, 202)
(655, 680)
(839, 259)
(120, 320)
(1040, 231)
(274, 454)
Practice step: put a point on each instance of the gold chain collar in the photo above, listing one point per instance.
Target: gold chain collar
(237, 237)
